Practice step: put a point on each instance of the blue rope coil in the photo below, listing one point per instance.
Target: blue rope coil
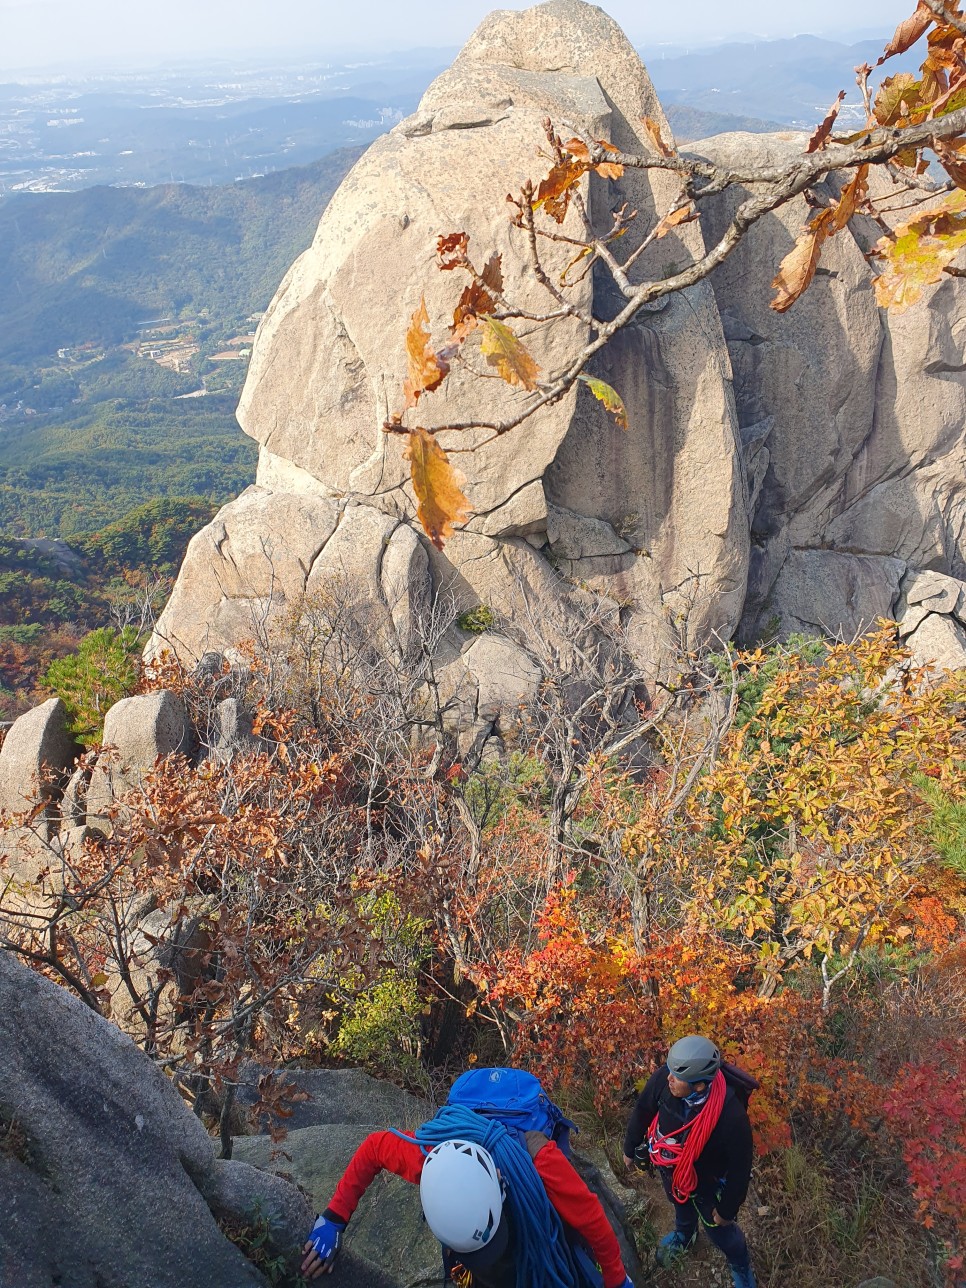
(544, 1258)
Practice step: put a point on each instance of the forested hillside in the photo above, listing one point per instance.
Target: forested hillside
(68, 478)
(117, 303)
(53, 593)
(92, 266)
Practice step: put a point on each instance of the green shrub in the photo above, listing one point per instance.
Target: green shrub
(752, 685)
(103, 670)
(380, 1028)
(947, 827)
(477, 620)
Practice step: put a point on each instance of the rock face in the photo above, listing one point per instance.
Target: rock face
(35, 762)
(107, 1176)
(140, 729)
(851, 420)
(37, 752)
(654, 517)
(779, 473)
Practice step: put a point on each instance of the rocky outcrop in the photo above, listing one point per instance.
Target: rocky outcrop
(35, 763)
(851, 418)
(780, 473)
(138, 731)
(652, 519)
(107, 1176)
(37, 755)
(932, 619)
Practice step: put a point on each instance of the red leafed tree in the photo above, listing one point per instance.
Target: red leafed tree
(926, 1109)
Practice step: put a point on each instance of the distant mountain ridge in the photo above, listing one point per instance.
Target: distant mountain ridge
(792, 81)
(690, 123)
(224, 120)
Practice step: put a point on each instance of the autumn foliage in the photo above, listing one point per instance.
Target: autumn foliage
(765, 866)
(926, 1108)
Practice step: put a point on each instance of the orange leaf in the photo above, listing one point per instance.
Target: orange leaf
(908, 32)
(683, 215)
(479, 297)
(578, 149)
(654, 133)
(952, 163)
(451, 250)
(821, 135)
(554, 192)
(438, 487)
(798, 268)
(853, 195)
(505, 351)
(919, 251)
(896, 97)
(427, 370)
(581, 152)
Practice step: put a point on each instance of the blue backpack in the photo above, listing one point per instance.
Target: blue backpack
(517, 1099)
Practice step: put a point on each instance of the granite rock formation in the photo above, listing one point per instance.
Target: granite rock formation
(107, 1176)
(852, 419)
(652, 520)
(781, 472)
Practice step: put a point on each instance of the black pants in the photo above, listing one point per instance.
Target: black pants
(697, 1211)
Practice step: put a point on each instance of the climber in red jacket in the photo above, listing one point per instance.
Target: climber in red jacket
(462, 1197)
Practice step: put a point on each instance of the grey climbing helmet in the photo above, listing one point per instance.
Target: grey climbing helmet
(694, 1059)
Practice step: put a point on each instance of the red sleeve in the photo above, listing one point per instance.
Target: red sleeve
(581, 1210)
(383, 1150)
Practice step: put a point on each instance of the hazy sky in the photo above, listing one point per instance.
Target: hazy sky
(142, 32)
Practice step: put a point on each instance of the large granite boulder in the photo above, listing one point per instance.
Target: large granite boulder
(255, 554)
(35, 762)
(656, 513)
(387, 1235)
(851, 417)
(37, 754)
(781, 472)
(107, 1177)
(139, 731)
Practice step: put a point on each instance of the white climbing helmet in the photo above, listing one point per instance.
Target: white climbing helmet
(461, 1195)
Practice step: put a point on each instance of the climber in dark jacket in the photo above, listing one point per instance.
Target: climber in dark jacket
(689, 1123)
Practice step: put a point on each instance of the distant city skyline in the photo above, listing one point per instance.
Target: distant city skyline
(107, 34)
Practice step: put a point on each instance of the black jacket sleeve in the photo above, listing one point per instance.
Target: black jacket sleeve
(738, 1170)
(644, 1110)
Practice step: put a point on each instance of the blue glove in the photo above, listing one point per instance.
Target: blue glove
(326, 1239)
